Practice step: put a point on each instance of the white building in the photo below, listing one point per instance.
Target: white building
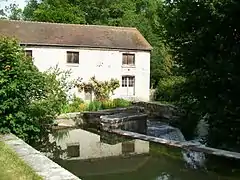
(88, 50)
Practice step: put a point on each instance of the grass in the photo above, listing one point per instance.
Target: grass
(12, 167)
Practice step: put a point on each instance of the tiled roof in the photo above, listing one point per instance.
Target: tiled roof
(92, 36)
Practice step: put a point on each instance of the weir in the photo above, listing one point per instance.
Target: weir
(135, 122)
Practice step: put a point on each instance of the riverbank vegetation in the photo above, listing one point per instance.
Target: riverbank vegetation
(194, 62)
(29, 99)
(12, 167)
(78, 105)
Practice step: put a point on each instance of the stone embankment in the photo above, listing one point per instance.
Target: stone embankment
(42, 165)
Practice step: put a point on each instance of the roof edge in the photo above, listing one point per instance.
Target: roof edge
(86, 46)
(146, 41)
(71, 24)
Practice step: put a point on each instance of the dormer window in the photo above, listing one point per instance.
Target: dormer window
(128, 59)
(72, 57)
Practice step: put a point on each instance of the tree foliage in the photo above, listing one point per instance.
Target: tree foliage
(204, 39)
(29, 99)
(169, 89)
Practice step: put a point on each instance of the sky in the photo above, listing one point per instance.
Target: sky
(4, 3)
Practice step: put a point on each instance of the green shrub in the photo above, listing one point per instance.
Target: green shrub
(168, 88)
(29, 99)
(78, 105)
(94, 106)
(121, 102)
(108, 104)
(74, 105)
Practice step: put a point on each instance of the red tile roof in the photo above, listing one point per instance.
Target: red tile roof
(91, 36)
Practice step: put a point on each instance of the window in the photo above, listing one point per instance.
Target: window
(28, 53)
(73, 57)
(128, 81)
(73, 150)
(124, 81)
(128, 59)
(128, 147)
(131, 81)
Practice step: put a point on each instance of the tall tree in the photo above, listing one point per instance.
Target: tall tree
(204, 39)
(28, 11)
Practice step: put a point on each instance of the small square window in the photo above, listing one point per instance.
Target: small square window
(73, 57)
(128, 59)
(128, 147)
(28, 53)
(73, 150)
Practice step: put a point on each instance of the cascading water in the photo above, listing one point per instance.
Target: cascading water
(164, 131)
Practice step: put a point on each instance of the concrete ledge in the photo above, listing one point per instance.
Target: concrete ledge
(42, 165)
(121, 117)
(184, 145)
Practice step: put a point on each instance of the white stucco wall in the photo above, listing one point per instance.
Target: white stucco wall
(46, 57)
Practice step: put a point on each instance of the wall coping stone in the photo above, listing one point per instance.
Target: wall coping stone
(113, 110)
(42, 165)
(183, 145)
(154, 103)
(73, 115)
(121, 117)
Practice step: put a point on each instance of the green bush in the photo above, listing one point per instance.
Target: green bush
(94, 106)
(121, 102)
(29, 99)
(74, 105)
(78, 105)
(108, 104)
(168, 88)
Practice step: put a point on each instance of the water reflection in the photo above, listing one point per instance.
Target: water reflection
(164, 176)
(106, 156)
(81, 144)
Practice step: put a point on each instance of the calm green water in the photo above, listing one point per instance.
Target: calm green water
(104, 156)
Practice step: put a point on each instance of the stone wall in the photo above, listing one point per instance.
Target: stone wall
(42, 165)
(136, 122)
(156, 110)
(91, 118)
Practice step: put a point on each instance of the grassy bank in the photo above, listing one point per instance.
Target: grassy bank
(12, 167)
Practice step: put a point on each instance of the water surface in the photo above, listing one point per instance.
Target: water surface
(94, 156)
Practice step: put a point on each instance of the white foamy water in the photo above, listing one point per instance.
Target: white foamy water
(164, 131)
